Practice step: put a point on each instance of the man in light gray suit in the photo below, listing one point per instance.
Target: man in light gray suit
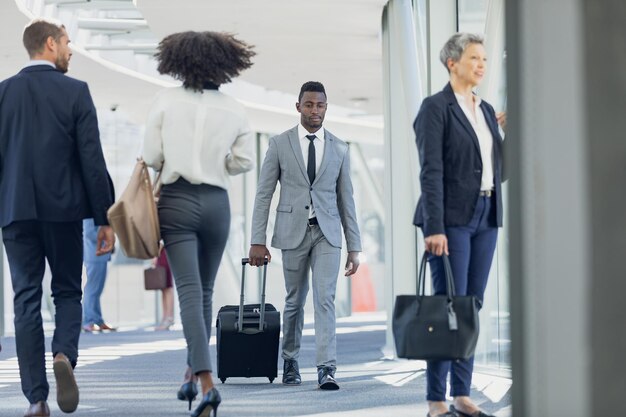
(313, 168)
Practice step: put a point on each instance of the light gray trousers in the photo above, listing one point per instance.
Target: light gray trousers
(195, 222)
(323, 259)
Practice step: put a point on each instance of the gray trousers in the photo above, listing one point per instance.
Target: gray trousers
(195, 222)
(323, 259)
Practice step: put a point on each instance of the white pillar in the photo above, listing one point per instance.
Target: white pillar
(402, 91)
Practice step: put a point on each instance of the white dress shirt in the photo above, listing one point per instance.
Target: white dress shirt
(485, 138)
(318, 142)
(201, 136)
(34, 62)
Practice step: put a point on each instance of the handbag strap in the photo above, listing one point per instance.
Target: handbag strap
(450, 289)
(421, 276)
(157, 184)
(156, 187)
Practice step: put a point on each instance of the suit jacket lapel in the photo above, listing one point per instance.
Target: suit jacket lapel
(460, 115)
(294, 141)
(493, 128)
(493, 125)
(329, 153)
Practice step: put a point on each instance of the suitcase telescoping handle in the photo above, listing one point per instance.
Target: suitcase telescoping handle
(245, 261)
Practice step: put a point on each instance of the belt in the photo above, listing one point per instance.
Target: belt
(313, 221)
(485, 193)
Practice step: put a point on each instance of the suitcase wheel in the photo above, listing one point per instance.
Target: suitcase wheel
(271, 379)
(223, 380)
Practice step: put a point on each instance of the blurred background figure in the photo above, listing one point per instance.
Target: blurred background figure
(167, 294)
(96, 267)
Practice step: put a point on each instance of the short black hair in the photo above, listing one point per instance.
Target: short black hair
(314, 86)
(197, 58)
(37, 32)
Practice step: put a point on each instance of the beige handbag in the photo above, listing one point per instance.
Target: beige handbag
(134, 217)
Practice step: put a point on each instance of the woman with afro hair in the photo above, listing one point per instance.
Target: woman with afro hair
(197, 137)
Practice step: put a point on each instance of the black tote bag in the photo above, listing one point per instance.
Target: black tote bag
(435, 327)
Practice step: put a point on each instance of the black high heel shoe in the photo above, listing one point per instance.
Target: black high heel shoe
(188, 392)
(209, 402)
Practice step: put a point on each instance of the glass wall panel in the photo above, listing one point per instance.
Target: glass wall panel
(368, 174)
(472, 15)
(494, 343)
(124, 300)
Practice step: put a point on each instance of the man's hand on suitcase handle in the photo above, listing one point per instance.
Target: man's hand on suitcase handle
(259, 255)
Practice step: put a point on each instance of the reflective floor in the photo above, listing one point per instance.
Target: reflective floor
(136, 372)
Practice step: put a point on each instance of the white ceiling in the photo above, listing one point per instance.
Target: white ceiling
(108, 85)
(332, 41)
(336, 42)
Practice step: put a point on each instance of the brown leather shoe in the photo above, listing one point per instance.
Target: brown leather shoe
(67, 390)
(105, 326)
(39, 409)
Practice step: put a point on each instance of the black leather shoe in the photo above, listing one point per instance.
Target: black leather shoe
(326, 378)
(291, 372)
(476, 414)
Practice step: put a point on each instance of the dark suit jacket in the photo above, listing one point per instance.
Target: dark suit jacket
(451, 165)
(51, 162)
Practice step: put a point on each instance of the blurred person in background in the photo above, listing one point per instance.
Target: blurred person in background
(167, 294)
(96, 268)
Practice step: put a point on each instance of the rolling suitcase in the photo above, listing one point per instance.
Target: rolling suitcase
(247, 336)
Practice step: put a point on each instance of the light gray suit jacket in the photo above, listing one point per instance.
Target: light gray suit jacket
(331, 193)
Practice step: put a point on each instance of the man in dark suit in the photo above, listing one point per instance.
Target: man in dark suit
(52, 175)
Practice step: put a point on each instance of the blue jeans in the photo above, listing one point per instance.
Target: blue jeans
(96, 275)
(471, 249)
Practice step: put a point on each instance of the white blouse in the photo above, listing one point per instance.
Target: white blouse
(485, 138)
(202, 137)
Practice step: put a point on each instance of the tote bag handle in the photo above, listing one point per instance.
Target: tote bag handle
(450, 289)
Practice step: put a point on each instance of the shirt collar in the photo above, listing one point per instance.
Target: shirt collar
(35, 62)
(461, 99)
(302, 132)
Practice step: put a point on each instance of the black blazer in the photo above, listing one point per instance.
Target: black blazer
(51, 162)
(451, 165)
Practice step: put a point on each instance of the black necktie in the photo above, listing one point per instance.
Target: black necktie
(310, 167)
